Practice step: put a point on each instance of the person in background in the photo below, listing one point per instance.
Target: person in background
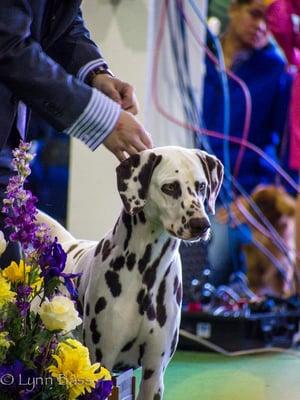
(250, 54)
(49, 64)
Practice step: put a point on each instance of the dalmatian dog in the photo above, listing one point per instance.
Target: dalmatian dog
(130, 290)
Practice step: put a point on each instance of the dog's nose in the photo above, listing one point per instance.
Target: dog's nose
(199, 225)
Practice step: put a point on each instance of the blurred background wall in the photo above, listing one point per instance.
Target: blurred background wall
(120, 27)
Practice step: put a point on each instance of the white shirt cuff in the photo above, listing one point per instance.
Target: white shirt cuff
(87, 68)
(97, 120)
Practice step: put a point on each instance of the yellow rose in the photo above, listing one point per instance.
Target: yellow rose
(3, 243)
(59, 314)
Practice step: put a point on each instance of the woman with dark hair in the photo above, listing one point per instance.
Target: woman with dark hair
(250, 54)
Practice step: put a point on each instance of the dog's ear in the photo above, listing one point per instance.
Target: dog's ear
(133, 179)
(214, 172)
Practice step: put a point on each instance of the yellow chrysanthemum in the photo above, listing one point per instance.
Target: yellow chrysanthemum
(74, 369)
(4, 342)
(6, 295)
(20, 273)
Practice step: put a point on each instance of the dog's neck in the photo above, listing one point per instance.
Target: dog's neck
(137, 234)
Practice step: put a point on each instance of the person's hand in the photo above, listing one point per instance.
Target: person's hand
(128, 137)
(121, 92)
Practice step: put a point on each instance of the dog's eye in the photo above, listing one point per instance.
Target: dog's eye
(172, 188)
(200, 187)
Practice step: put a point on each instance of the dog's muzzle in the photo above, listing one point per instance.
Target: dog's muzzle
(199, 226)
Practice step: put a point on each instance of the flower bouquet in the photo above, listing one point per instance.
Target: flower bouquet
(40, 358)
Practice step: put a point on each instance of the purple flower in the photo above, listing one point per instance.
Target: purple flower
(101, 392)
(53, 260)
(16, 379)
(23, 291)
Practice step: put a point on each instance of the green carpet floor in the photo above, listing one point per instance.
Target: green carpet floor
(208, 376)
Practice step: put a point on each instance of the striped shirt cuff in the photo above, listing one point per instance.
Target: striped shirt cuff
(97, 120)
(87, 68)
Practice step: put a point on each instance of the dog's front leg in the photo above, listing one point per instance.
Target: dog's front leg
(152, 385)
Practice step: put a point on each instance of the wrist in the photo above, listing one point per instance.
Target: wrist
(96, 72)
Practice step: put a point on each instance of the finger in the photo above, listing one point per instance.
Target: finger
(113, 94)
(133, 109)
(147, 140)
(129, 100)
(131, 150)
(120, 155)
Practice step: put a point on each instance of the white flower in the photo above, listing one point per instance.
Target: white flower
(59, 314)
(3, 243)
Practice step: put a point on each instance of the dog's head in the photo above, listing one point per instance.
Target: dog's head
(276, 204)
(172, 185)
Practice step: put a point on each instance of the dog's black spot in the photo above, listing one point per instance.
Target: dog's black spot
(183, 220)
(161, 312)
(128, 345)
(135, 179)
(125, 202)
(79, 307)
(100, 305)
(142, 349)
(73, 247)
(106, 250)
(139, 299)
(112, 281)
(151, 314)
(179, 294)
(148, 373)
(150, 273)
(190, 213)
(143, 262)
(83, 336)
(156, 241)
(78, 253)
(157, 397)
(151, 331)
(145, 174)
(175, 285)
(180, 231)
(163, 354)
(117, 263)
(99, 355)
(131, 259)
(176, 171)
(126, 218)
(142, 217)
(174, 342)
(87, 309)
(78, 280)
(168, 270)
(96, 337)
(116, 225)
(175, 192)
(137, 202)
(125, 170)
(93, 325)
(182, 205)
(121, 366)
(98, 248)
(95, 334)
(144, 302)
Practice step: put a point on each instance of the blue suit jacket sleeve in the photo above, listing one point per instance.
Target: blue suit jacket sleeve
(74, 48)
(32, 75)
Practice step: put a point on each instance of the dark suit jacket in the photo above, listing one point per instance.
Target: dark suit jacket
(43, 44)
